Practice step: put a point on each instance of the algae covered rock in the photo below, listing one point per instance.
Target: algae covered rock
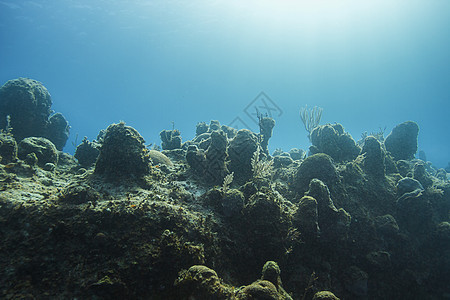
(325, 295)
(268, 287)
(332, 140)
(402, 141)
(318, 166)
(374, 157)
(216, 154)
(306, 218)
(261, 289)
(387, 225)
(87, 152)
(201, 282)
(297, 154)
(240, 153)
(171, 139)
(57, 130)
(334, 223)
(266, 125)
(356, 281)
(44, 150)
(8, 149)
(210, 164)
(28, 103)
(232, 203)
(420, 174)
(122, 153)
(25, 106)
(408, 185)
(79, 193)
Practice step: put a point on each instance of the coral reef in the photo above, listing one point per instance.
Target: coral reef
(26, 105)
(199, 221)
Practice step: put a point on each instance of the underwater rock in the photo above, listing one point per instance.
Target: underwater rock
(201, 282)
(77, 193)
(356, 281)
(297, 154)
(261, 289)
(282, 161)
(58, 130)
(8, 149)
(122, 153)
(216, 154)
(318, 166)
(324, 295)
(108, 287)
(177, 155)
(214, 125)
(266, 125)
(441, 174)
(379, 260)
(387, 225)
(374, 157)
(402, 141)
(229, 131)
(240, 152)
(333, 223)
(43, 148)
(443, 231)
(31, 159)
(201, 128)
(201, 138)
(232, 203)
(414, 210)
(87, 152)
(171, 139)
(272, 273)
(25, 107)
(420, 174)
(210, 164)
(408, 185)
(332, 140)
(262, 211)
(28, 103)
(196, 158)
(404, 167)
(306, 218)
(278, 152)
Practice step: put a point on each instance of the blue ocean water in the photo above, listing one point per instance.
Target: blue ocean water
(158, 64)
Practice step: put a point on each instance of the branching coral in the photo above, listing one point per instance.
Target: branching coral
(311, 118)
(261, 168)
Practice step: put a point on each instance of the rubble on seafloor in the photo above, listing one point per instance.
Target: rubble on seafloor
(200, 218)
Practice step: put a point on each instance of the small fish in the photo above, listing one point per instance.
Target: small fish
(10, 165)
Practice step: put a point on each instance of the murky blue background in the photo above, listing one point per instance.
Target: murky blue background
(369, 64)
